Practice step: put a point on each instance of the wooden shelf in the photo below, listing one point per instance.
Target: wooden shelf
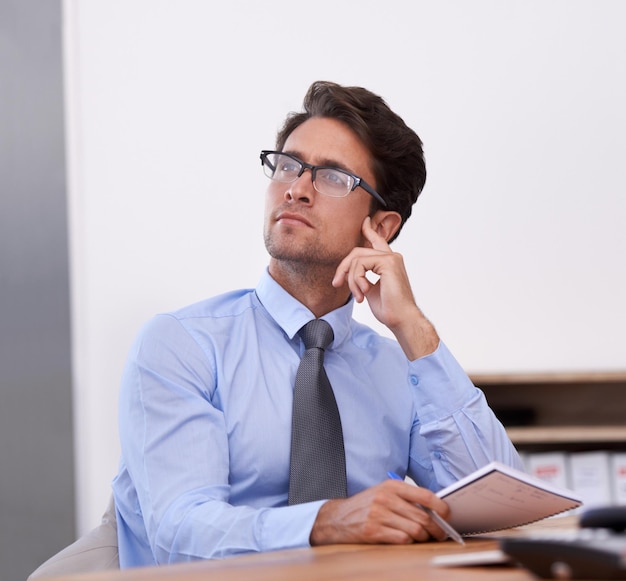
(548, 435)
(552, 411)
(557, 378)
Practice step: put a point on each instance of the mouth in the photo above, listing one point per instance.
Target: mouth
(292, 219)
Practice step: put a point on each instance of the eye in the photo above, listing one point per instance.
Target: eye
(287, 168)
(288, 165)
(334, 178)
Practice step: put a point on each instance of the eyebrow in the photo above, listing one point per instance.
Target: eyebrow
(326, 162)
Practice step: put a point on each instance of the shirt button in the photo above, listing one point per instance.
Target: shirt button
(414, 380)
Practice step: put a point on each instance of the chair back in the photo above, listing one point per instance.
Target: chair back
(97, 550)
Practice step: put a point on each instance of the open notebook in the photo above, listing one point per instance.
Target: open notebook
(497, 497)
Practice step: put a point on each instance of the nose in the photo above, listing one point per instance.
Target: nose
(302, 188)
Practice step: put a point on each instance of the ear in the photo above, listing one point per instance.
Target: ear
(386, 223)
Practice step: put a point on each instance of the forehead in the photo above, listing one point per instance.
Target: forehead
(324, 141)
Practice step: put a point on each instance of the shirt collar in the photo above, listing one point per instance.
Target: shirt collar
(290, 314)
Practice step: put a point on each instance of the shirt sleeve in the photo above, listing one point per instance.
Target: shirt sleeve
(456, 432)
(176, 460)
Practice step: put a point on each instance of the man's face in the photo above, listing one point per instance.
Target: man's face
(305, 227)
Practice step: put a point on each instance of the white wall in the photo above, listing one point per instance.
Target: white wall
(516, 248)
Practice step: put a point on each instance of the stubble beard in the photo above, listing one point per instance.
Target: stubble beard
(308, 260)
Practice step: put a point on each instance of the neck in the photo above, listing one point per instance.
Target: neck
(311, 286)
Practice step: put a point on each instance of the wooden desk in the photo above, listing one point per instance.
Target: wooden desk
(339, 562)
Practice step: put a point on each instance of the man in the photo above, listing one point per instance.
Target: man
(206, 398)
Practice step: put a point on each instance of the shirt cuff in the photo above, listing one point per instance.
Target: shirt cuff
(289, 527)
(440, 385)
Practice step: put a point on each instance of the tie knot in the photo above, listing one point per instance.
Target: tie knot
(316, 333)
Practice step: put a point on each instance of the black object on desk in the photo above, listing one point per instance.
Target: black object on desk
(597, 550)
(608, 517)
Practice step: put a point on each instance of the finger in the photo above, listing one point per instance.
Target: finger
(418, 498)
(419, 495)
(421, 526)
(413, 521)
(407, 516)
(352, 270)
(373, 237)
(345, 275)
(357, 276)
(434, 528)
(342, 270)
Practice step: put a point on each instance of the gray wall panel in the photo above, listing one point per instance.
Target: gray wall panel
(36, 451)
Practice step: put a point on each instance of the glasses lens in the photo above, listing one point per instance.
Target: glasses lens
(329, 181)
(281, 167)
(333, 182)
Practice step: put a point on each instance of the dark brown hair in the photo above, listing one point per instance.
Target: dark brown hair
(397, 151)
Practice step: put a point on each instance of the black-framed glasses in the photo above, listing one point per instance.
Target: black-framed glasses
(327, 180)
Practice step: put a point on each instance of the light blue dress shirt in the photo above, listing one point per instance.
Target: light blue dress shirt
(205, 424)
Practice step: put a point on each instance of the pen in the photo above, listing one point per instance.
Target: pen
(454, 535)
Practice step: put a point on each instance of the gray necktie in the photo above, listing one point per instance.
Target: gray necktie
(318, 461)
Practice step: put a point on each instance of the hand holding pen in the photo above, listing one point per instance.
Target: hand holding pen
(453, 534)
(388, 512)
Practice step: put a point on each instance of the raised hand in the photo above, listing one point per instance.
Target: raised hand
(390, 297)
